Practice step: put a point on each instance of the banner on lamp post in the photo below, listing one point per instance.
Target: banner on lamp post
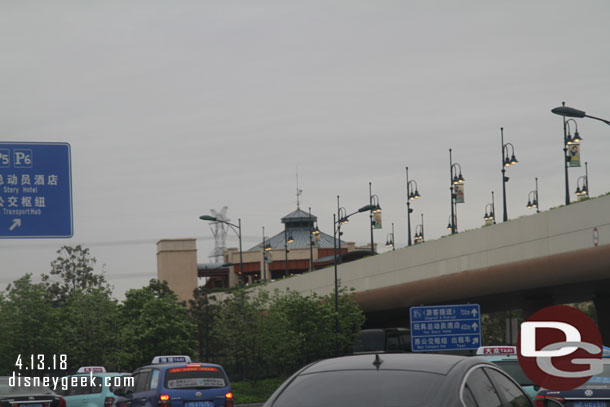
(574, 155)
(459, 193)
(377, 220)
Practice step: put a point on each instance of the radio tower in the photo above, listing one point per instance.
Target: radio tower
(219, 230)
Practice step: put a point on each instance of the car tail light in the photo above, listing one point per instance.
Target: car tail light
(229, 399)
(540, 400)
(164, 400)
(62, 402)
(108, 401)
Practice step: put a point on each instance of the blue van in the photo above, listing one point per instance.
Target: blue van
(174, 381)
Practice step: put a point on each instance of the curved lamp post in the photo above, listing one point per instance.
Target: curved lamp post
(532, 199)
(455, 178)
(490, 215)
(374, 201)
(287, 240)
(411, 196)
(566, 111)
(506, 162)
(341, 218)
(390, 239)
(237, 230)
(419, 231)
(582, 188)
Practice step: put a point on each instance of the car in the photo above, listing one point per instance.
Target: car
(100, 394)
(177, 382)
(594, 393)
(400, 379)
(506, 358)
(392, 340)
(33, 395)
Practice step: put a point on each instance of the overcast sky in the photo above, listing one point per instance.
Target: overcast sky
(175, 108)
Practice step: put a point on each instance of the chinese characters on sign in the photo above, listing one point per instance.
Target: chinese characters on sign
(445, 327)
(35, 190)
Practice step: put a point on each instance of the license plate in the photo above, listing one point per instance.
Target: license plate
(588, 404)
(201, 404)
(31, 405)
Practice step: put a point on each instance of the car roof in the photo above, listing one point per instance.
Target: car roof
(182, 364)
(432, 363)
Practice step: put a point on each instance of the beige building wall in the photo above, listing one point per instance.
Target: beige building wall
(177, 264)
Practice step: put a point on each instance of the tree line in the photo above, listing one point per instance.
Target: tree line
(252, 333)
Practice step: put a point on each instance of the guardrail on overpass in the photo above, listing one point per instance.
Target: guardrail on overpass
(565, 247)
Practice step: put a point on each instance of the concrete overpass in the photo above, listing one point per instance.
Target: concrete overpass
(558, 256)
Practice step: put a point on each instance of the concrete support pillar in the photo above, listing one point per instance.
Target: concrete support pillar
(532, 304)
(602, 309)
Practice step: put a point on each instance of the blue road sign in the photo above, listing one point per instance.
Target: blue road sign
(35, 190)
(445, 327)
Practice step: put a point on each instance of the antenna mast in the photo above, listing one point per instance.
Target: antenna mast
(219, 230)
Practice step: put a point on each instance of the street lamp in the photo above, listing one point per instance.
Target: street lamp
(374, 201)
(566, 111)
(506, 162)
(532, 198)
(490, 216)
(411, 196)
(314, 232)
(582, 189)
(390, 239)
(419, 231)
(455, 178)
(287, 240)
(237, 230)
(341, 218)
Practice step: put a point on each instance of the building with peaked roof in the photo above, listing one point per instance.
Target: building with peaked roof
(294, 250)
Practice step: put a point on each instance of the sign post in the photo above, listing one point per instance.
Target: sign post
(445, 327)
(35, 190)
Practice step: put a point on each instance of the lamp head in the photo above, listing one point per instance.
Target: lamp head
(577, 139)
(568, 112)
(368, 208)
(208, 218)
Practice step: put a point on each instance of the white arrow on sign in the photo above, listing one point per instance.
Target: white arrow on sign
(16, 224)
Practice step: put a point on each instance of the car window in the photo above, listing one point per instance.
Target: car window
(511, 393)
(197, 377)
(482, 389)
(98, 385)
(142, 381)
(514, 370)
(468, 397)
(154, 380)
(360, 388)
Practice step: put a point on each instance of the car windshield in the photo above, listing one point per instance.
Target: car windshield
(360, 388)
(600, 380)
(202, 377)
(369, 340)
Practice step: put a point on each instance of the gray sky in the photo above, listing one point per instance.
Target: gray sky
(175, 108)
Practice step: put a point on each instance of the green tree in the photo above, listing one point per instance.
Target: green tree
(255, 335)
(28, 322)
(73, 270)
(153, 322)
(90, 336)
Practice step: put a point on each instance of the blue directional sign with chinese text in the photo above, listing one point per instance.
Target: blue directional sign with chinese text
(445, 327)
(35, 190)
